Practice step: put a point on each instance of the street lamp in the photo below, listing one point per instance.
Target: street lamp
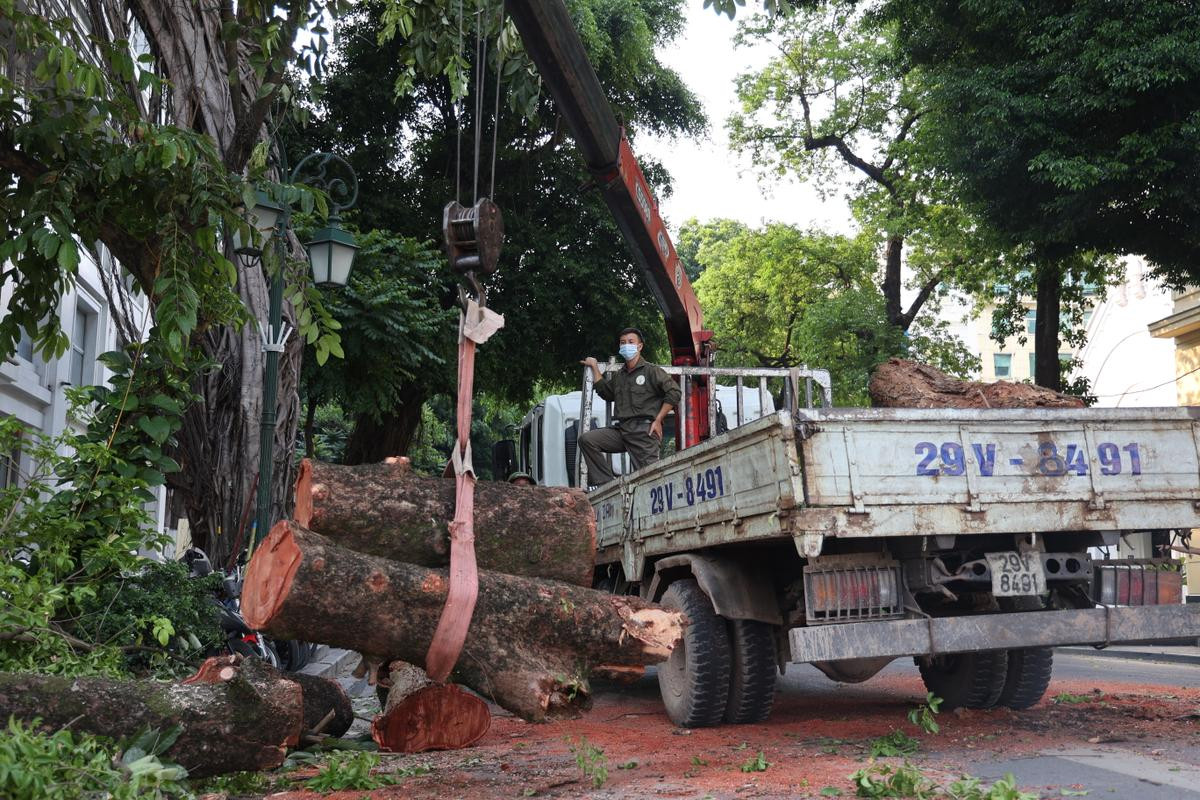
(330, 255)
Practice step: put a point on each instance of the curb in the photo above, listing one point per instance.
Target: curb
(330, 662)
(1134, 655)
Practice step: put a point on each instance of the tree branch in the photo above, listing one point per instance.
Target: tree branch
(906, 319)
(905, 128)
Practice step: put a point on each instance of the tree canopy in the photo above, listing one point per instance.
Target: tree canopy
(1071, 126)
(566, 283)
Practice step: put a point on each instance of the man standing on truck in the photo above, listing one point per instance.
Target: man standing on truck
(643, 394)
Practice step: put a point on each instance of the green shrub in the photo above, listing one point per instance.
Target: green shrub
(71, 766)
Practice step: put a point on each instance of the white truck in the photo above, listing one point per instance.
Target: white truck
(846, 538)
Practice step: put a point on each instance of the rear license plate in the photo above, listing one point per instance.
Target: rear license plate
(1016, 574)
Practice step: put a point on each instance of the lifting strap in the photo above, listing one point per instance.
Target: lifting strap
(476, 324)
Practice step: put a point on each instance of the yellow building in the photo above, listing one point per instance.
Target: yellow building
(1011, 361)
(1184, 327)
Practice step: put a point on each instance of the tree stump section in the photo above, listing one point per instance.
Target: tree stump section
(234, 717)
(420, 715)
(531, 642)
(385, 510)
(898, 383)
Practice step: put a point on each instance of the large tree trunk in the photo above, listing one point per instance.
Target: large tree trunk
(531, 645)
(906, 384)
(385, 510)
(233, 718)
(215, 90)
(1047, 368)
(376, 439)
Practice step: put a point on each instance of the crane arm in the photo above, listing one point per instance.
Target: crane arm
(551, 40)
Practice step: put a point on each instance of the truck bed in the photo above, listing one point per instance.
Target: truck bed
(901, 472)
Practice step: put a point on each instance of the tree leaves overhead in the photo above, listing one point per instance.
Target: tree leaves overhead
(1071, 125)
(566, 283)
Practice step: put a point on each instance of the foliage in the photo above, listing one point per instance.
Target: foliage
(236, 783)
(159, 604)
(923, 716)
(393, 325)
(354, 771)
(896, 743)
(66, 765)
(696, 237)
(77, 520)
(781, 296)
(756, 763)
(906, 780)
(591, 762)
(835, 108)
(82, 165)
(1071, 127)
(566, 284)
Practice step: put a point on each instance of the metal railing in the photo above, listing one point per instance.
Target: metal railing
(794, 378)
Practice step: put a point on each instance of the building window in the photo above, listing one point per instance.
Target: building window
(1003, 364)
(1032, 364)
(1065, 359)
(25, 346)
(1031, 320)
(83, 346)
(10, 468)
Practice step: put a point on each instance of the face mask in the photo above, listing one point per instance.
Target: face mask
(628, 351)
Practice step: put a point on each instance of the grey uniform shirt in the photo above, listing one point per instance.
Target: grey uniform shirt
(638, 392)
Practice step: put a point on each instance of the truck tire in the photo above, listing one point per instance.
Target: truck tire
(694, 681)
(1029, 671)
(966, 680)
(752, 673)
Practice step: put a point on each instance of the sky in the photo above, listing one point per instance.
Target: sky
(709, 180)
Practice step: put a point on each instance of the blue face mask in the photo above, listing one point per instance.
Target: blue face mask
(628, 351)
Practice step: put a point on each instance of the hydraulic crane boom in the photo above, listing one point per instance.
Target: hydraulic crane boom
(554, 45)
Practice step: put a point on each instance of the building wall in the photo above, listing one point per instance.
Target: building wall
(33, 389)
(1127, 367)
(1018, 356)
(1180, 329)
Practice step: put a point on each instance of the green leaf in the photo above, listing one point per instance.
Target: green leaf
(68, 255)
(157, 428)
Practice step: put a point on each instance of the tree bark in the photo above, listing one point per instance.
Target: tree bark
(531, 645)
(892, 284)
(906, 384)
(235, 718)
(420, 715)
(376, 439)
(1047, 368)
(386, 510)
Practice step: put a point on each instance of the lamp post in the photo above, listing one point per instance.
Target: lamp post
(331, 256)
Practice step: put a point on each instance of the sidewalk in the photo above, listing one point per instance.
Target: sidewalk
(1173, 654)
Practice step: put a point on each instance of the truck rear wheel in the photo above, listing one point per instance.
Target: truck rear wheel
(752, 676)
(694, 681)
(966, 680)
(1029, 671)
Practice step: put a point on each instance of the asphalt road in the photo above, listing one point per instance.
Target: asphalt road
(1120, 770)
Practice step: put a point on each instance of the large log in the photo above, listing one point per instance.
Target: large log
(234, 717)
(898, 383)
(386, 510)
(531, 644)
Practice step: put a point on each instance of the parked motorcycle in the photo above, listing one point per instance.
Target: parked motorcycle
(239, 638)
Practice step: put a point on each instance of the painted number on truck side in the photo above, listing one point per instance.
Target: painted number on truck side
(708, 484)
(950, 459)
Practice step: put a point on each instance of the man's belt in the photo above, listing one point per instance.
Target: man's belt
(640, 418)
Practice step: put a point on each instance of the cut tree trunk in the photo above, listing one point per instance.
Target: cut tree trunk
(531, 645)
(421, 715)
(234, 717)
(906, 384)
(387, 511)
(327, 710)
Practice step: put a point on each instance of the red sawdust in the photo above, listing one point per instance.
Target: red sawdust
(809, 744)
